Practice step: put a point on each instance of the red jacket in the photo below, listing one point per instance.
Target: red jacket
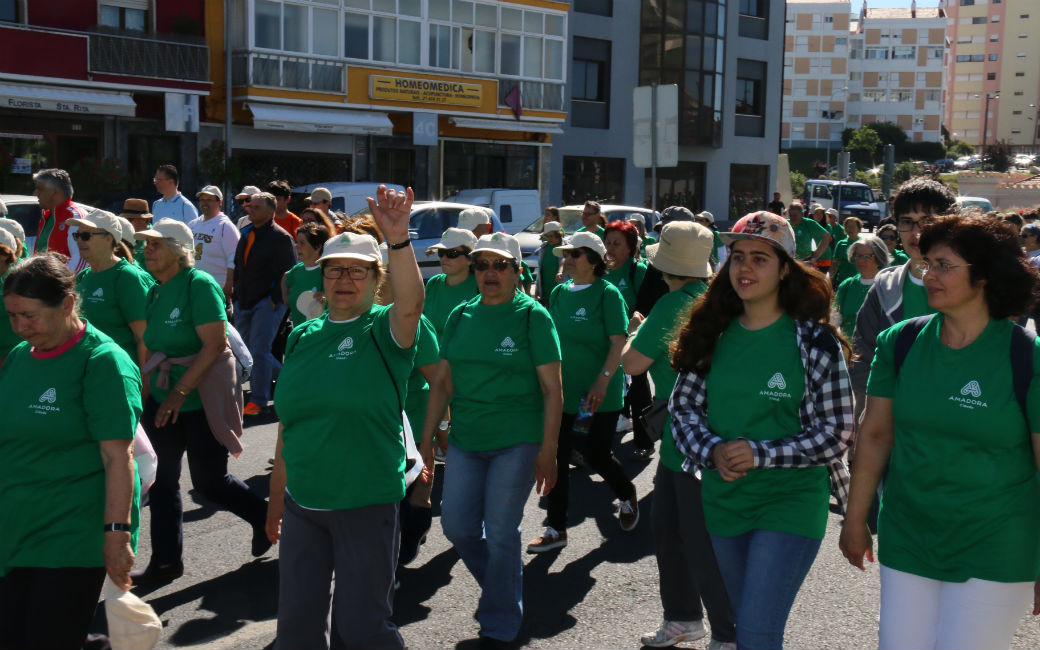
(59, 238)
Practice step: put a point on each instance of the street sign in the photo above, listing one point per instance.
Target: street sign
(655, 126)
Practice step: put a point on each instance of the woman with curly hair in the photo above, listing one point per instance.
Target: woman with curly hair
(763, 405)
(950, 400)
(624, 268)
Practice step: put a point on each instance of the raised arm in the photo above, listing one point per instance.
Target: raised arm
(391, 211)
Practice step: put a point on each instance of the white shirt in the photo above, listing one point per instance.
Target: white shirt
(215, 242)
(177, 208)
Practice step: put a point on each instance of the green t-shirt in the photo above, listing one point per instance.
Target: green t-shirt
(915, 299)
(526, 277)
(342, 434)
(805, 233)
(174, 309)
(549, 266)
(962, 495)
(846, 269)
(114, 298)
(56, 411)
(716, 245)
(657, 332)
(8, 339)
(441, 298)
(585, 320)
(600, 231)
(848, 299)
(427, 352)
(628, 279)
(837, 234)
(493, 351)
(644, 242)
(301, 284)
(899, 258)
(139, 260)
(755, 387)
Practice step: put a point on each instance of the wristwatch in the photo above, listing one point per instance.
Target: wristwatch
(116, 527)
(605, 373)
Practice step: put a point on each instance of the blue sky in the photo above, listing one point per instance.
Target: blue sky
(885, 4)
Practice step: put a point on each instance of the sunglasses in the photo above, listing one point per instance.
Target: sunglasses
(574, 253)
(451, 254)
(498, 265)
(85, 236)
(888, 237)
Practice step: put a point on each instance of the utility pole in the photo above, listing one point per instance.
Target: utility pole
(985, 122)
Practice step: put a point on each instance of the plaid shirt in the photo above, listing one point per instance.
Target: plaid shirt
(825, 413)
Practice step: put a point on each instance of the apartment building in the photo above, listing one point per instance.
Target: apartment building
(994, 53)
(842, 71)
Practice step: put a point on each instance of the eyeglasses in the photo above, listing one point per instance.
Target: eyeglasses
(888, 237)
(80, 235)
(353, 272)
(450, 253)
(574, 253)
(588, 214)
(498, 265)
(159, 180)
(906, 224)
(863, 257)
(939, 268)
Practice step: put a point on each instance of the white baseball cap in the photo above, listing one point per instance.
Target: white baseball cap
(707, 216)
(637, 217)
(168, 228)
(126, 229)
(247, 192)
(351, 246)
(552, 226)
(13, 227)
(453, 238)
(583, 240)
(7, 239)
(103, 220)
(213, 190)
(499, 243)
(470, 218)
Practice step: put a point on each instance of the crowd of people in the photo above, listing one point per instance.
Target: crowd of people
(758, 363)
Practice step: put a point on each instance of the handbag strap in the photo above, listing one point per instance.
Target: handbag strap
(400, 404)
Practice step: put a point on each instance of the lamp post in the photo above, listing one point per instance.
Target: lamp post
(830, 116)
(985, 120)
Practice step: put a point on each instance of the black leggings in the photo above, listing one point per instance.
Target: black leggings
(637, 400)
(597, 452)
(48, 609)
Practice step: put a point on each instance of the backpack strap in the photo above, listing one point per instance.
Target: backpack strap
(1022, 345)
(906, 337)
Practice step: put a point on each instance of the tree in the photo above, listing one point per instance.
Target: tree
(797, 183)
(890, 133)
(959, 148)
(904, 171)
(866, 141)
(873, 180)
(998, 156)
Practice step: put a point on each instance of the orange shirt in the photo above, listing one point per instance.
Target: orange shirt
(289, 223)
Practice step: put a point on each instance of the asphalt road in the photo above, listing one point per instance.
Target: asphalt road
(598, 592)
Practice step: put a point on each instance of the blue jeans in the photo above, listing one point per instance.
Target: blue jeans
(258, 326)
(481, 509)
(763, 571)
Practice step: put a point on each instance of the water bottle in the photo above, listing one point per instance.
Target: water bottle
(584, 419)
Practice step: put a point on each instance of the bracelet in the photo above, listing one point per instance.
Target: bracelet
(397, 247)
(116, 527)
(183, 393)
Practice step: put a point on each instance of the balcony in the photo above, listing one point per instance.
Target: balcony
(535, 95)
(141, 56)
(288, 71)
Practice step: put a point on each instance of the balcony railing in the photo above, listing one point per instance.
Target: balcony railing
(536, 95)
(288, 71)
(141, 56)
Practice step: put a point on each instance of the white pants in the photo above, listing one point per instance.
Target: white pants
(924, 614)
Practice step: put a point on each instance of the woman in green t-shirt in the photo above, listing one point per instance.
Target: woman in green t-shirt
(763, 404)
(842, 267)
(186, 325)
(624, 268)
(869, 255)
(339, 470)
(113, 292)
(959, 527)
(448, 290)
(66, 462)
(590, 319)
(888, 234)
(685, 562)
(500, 371)
(301, 285)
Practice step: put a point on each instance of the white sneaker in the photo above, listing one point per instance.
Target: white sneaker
(715, 644)
(549, 540)
(673, 632)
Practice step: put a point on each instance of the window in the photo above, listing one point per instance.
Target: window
(598, 7)
(874, 95)
(752, 17)
(750, 98)
(298, 28)
(1021, 55)
(586, 80)
(593, 179)
(901, 96)
(828, 19)
(993, 38)
(1023, 16)
(991, 76)
(130, 18)
(1023, 35)
(680, 185)
(590, 83)
(856, 75)
(1018, 93)
(876, 53)
(978, 20)
(841, 41)
(748, 186)
(970, 58)
(994, 19)
(1016, 112)
(935, 52)
(903, 52)
(967, 3)
(1016, 131)
(931, 95)
(1020, 74)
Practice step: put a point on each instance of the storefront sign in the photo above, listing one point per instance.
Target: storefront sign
(21, 166)
(66, 100)
(426, 91)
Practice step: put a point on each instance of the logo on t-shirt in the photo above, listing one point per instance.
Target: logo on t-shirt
(99, 293)
(507, 347)
(776, 388)
(175, 317)
(970, 396)
(43, 405)
(97, 296)
(580, 315)
(622, 284)
(345, 344)
(344, 350)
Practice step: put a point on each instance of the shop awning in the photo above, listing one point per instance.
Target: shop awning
(277, 117)
(66, 100)
(506, 125)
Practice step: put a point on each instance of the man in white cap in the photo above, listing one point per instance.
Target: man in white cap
(548, 263)
(216, 239)
(243, 199)
(322, 198)
(475, 220)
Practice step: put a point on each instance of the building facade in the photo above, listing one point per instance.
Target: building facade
(883, 65)
(107, 89)
(438, 95)
(995, 53)
(724, 58)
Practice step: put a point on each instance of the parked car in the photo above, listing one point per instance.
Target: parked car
(974, 202)
(25, 209)
(570, 219)
(850, 199)
(521, 206)
(944, 164)
(346, 197)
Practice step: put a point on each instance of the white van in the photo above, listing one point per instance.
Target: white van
(515, 208)
(346, 197)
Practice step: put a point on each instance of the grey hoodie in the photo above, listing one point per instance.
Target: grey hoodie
(882, 308)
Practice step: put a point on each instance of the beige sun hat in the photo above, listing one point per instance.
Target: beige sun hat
(13, 227)
(212, 190)
(470, 218)
(168, 228)
(320, 194)
(351, 246)
(126, 230)
(499, 243)
(101, 219)
(683, 249)
(583, 239)
(453, 238)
